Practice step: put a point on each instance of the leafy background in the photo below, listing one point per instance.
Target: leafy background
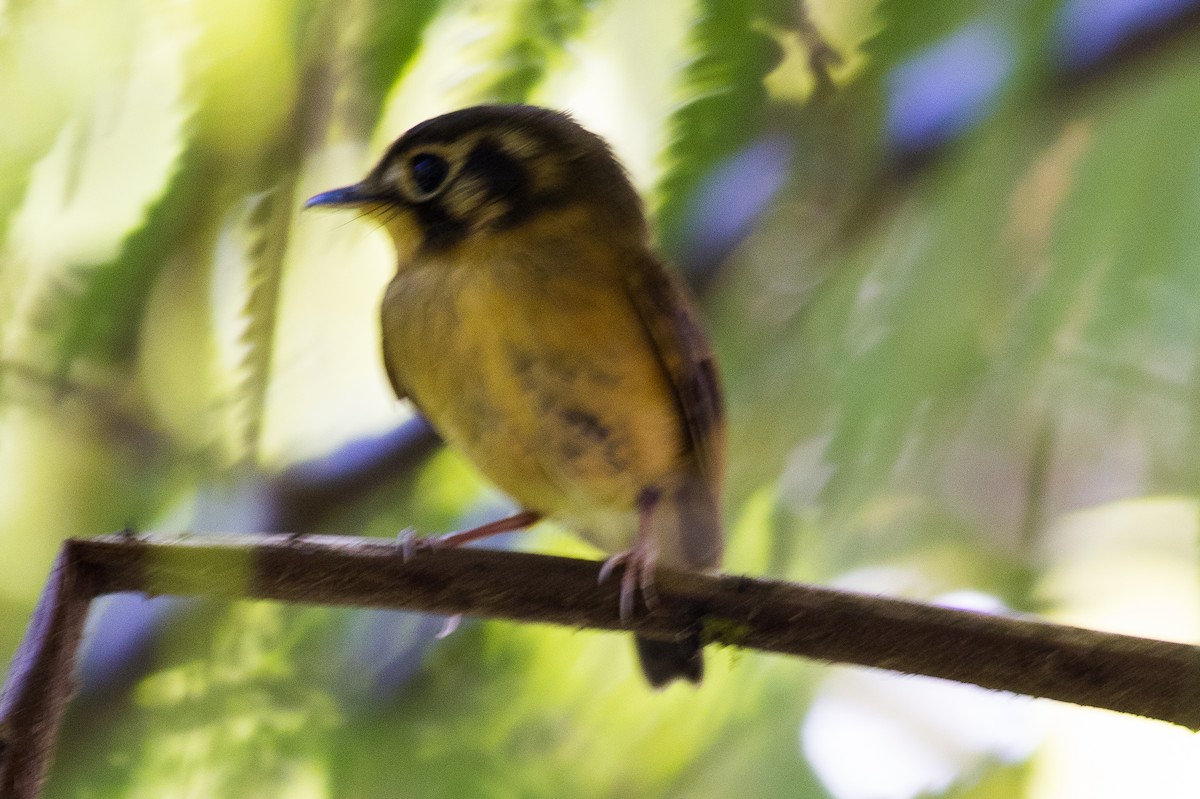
(949, 256)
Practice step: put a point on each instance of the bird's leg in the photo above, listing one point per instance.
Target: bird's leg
(411, 543)
(639, 560)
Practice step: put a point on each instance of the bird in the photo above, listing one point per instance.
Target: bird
(532, 323)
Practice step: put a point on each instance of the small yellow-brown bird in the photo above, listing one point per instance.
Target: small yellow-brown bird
(532, 324)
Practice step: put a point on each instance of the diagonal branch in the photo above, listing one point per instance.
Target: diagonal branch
(1158, 679)
(41, 679)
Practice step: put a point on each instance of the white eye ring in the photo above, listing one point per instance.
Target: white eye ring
(423, 172)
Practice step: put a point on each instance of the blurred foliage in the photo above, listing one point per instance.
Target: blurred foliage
(962, 365)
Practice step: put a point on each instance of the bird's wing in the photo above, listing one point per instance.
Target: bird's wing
(682, 348)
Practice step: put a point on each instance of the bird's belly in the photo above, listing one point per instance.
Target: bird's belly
(563, 407)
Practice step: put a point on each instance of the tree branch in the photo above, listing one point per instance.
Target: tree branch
(1158, 679)
(41, 678)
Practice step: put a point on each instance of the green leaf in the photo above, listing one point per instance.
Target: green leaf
(108, 167)
(502, 50)
(391, 34)
(722, 98)
(545, 27)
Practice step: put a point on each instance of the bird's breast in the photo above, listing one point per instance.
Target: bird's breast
(547, 381)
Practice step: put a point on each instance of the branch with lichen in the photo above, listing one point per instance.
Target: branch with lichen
(1158, 679)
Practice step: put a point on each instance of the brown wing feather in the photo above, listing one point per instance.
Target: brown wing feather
(683, 349)
(690, 511)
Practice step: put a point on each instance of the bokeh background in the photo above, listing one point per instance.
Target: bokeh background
(950, 255)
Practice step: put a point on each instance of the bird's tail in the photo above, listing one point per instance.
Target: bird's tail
(685, 524)
(664, 661)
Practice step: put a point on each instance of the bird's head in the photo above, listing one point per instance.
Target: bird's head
(488, 169)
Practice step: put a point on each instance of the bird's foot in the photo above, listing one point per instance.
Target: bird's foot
(639, 562)
(410, 543)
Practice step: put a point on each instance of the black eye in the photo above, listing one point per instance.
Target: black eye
(428, 171)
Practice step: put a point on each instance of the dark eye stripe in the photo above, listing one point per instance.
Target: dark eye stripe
(507, 180)
(505, 177)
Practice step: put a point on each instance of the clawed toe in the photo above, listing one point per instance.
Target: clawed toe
(610, 565)
(449, 626)
(649, 592)
(410, 543)
(639, 564)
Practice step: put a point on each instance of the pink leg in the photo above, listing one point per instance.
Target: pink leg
(639, 561)
(411, 543)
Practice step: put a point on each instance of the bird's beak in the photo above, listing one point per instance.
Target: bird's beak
(347, 197)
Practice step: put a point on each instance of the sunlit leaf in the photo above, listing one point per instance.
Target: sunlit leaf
(621, 80)
(235, 723)
(502, 50)
(108, 165)
(49, 70)
(244, 74)
(390, 35)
